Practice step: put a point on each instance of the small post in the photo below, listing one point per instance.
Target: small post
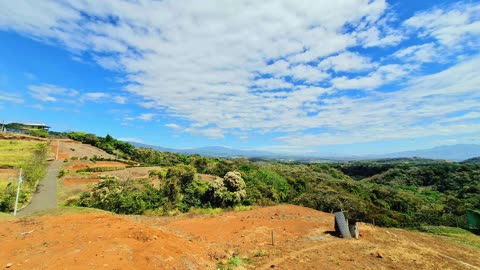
(273, 239)
(20, 179)
(373, 221)
(58, 146)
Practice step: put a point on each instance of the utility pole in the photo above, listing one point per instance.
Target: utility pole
(20, 180)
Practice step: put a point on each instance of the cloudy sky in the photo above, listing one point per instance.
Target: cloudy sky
(350, 77)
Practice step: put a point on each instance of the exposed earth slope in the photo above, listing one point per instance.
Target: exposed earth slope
(302, 241)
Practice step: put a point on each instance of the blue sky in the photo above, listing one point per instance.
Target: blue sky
(346, 77)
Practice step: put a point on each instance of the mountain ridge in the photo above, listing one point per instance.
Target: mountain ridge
(456, 152)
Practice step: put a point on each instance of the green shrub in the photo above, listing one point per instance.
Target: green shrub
(62, 173)
(39, 133)
(227, 192)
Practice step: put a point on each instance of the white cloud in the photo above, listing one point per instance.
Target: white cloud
(120, 99)
(173, 126)
(146, 116)
(384, 74)
(419, 53)
(50, 93)
(347, 61)
(272, 83)
(130, 139)
(213, 133)
(212, 64)
(95, 96)
(308, 73)
(457, 26)
(11, 98)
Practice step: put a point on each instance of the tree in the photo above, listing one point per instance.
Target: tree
(185, 174)
(229, 191)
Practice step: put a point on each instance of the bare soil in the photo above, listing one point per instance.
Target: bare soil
(82, 164)
(207, 177)
(302, 241)
(70, 148)
(19, 136)
(9, 174)
(72, 181)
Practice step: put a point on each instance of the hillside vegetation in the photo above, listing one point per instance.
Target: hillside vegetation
(398, 193)
(16, 154)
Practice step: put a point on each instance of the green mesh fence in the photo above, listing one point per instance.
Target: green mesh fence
(473, 219)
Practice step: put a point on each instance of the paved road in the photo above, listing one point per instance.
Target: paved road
(46, 197)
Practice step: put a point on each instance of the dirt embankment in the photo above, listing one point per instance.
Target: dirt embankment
(301, 235)
(69, 148)
(20, 136)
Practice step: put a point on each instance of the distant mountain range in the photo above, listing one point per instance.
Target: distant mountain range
(217, 151)
(457, 152)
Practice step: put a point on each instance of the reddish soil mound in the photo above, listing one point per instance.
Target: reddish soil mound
(75, 181)
(70, 148)
(8, 174)
(89, 241)
(302, 241)
(207, 177)
(99, 164)
(19, 136)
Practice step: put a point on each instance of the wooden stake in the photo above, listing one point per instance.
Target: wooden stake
(273, 239)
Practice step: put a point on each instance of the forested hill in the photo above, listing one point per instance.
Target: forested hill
(472, 160)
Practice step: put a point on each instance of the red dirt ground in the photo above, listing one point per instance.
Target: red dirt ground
(77, 165)
(19, 136)
(202, 242)
(207, 177)
(69, 182)
(8, 173)
(92, 241)
(70, 148)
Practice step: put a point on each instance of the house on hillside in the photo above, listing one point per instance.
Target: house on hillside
(30, 127)
(40, 130)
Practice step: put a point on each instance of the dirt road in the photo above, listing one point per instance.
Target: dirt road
(46, 195)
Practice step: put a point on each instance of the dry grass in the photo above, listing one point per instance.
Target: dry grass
(15, 152)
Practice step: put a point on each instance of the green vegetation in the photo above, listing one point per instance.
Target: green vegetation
(236, 261)
(43, 133)
(107, 143)
(39, 133)
(100, 169)
(472, 160)
(390, 192)
(31, 157)
(13, 153)
(454, 234)
(62, 173)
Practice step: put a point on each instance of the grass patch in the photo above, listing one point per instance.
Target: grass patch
(457, 235)
(15, 152)
(235, 261)
(67, 210)
(31, 157)
(6, 216)
(62, 173)
(242, 208)
(260, 253)
(204, 211)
